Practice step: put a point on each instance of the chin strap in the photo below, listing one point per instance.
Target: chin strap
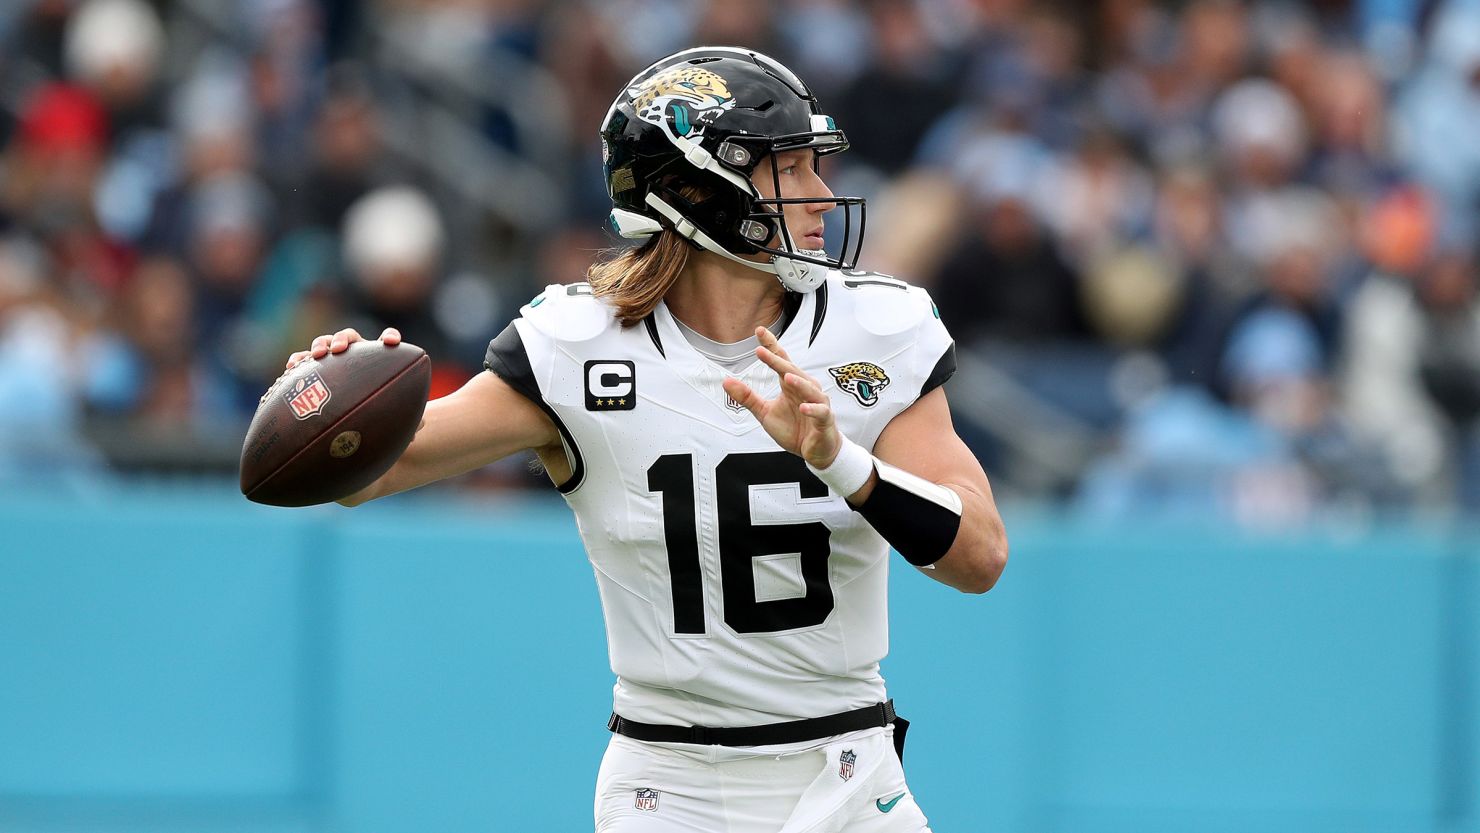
(795, 275)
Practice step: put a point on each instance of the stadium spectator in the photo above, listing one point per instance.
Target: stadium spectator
(115, 48)
(1449, 361)
(53, 364)
(1437, 110)
(348, 157)
(1006, 280)
(1298, 237)
(53, 168)
(1383, 396)
(1410, 375)
(1187, 229)
(170, 383)
(918, 80)
(393, 241)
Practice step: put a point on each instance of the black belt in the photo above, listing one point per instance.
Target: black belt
(794, 731)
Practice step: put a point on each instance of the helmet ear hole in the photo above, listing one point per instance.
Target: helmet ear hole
(692, 192)
(735, 154)
(756, 231)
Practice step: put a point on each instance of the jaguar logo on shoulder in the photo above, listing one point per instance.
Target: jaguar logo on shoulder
(863, 380)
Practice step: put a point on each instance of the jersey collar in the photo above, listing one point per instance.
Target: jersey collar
(662, 327)
(704, 375)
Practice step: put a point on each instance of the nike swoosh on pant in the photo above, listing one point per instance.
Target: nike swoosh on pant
(886, 806)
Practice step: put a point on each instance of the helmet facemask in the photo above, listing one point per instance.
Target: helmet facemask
(768, 215)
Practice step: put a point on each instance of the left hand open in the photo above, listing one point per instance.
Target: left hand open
(800, 419)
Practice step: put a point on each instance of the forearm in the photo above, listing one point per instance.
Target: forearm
(416, 467)
(481, 423)
(434, 454)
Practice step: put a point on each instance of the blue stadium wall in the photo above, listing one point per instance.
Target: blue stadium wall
(185, 661)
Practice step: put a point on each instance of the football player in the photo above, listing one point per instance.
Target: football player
(743, 425)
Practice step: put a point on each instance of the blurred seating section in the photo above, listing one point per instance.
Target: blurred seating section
(1205, 257)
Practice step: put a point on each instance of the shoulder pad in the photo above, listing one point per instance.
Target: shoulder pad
(887, 306)
(568, 312)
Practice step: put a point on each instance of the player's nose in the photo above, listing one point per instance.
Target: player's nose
(818, 190)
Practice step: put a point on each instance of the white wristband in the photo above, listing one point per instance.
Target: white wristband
(849, 471)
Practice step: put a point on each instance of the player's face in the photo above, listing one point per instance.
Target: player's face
(796, 174)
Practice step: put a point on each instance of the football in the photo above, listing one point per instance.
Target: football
(329, 427)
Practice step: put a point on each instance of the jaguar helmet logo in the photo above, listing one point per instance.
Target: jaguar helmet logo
(863, 380)
(696, 85)
(692, 94)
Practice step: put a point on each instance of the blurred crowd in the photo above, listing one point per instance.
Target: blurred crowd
(1208, 256)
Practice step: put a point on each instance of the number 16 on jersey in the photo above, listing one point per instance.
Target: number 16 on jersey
(741, 541)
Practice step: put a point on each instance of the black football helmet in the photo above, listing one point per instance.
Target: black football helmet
(697, 123)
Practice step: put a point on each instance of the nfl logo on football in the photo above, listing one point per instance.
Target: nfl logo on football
(845, 764)
(307, 396)
(647, 800)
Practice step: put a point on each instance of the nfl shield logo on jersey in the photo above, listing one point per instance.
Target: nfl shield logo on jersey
(307, 396)
(845, 764)
(647, 800)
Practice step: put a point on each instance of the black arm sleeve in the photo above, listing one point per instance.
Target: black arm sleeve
(918, 518)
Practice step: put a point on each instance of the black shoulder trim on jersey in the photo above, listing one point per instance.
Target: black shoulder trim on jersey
(652, 328)
(944, 369)
(818, 313)
(572, 452)
(507, 359)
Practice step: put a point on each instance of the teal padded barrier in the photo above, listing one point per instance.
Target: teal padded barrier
(184, 660)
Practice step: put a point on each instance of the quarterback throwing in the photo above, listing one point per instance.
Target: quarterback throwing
(743, 424)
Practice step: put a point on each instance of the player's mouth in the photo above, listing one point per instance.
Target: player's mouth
(813, 239)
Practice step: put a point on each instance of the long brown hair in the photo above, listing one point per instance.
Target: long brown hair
(636, 279)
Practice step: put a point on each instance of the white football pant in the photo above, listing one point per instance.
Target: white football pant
(852, 783)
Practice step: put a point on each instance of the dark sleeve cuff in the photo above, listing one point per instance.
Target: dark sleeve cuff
(944, 369)
(508, 360)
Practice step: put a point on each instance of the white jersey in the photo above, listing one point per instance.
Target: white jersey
(737, 589)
